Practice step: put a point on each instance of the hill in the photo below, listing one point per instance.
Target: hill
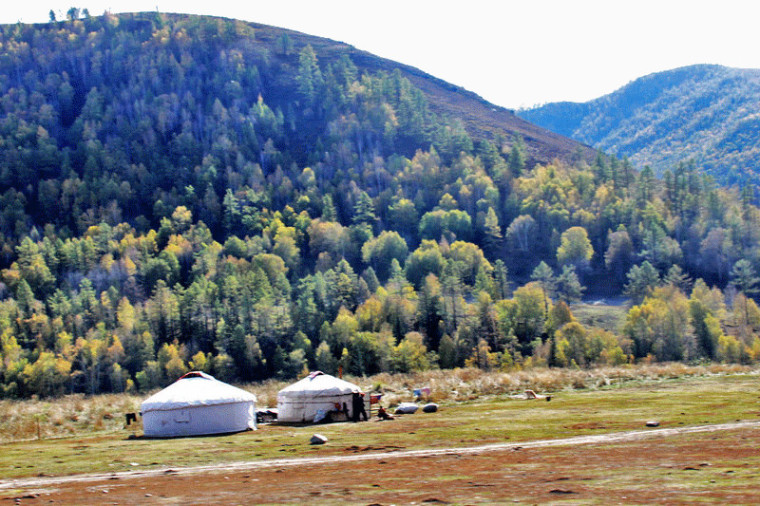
(703, 113)
(481, 119)
(186, 192)
(151, 92)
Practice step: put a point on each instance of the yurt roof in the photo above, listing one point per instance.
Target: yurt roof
(195, 389)
(319, 384)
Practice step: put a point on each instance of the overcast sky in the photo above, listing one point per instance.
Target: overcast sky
(512, 53)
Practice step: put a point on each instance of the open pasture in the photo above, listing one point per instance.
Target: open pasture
(714, 461)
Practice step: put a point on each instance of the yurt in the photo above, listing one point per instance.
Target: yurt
(198, 404)
(314, 397)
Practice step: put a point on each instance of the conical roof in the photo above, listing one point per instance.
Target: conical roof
(195, 389)
(318, 384)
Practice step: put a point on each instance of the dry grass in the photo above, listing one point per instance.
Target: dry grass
(76, 415)
(469, 384)
(66, 416)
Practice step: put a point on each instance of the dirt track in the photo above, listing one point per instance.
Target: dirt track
(490, 473)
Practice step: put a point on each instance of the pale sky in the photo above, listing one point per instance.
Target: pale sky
(512, 53)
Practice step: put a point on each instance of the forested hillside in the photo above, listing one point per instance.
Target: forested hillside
(706, 114)
(182, 192)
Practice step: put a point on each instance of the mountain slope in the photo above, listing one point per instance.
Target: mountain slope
(704, 113)
(158, 103)
(481, 119)
(187, 192)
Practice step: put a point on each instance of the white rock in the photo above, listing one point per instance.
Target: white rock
(318, 439)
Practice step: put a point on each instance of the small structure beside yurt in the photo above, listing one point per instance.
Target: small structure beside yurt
(317, 397)
(198, 404)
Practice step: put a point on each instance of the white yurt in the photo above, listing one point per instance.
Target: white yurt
(198, 404)
(311, 398)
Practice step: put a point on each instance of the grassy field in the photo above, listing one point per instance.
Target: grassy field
(606, 316)
(476, 408)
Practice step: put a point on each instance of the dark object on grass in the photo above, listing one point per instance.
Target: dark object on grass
(653, 423)
(430, 407)
(358, 406)
(131, 417)
(266, 415)
(406, 408)
(318, 439)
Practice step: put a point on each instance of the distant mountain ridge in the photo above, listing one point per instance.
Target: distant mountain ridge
(708, 114)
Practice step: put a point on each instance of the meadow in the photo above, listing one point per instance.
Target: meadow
(78, 434)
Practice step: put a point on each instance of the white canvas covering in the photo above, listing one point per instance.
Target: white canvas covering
(198, 404)
(318, 392)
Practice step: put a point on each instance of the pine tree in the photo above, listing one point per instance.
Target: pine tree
(493, 237)
(642, 279)
(309, 78)
(516, 160)
(569, 288)
(328, 209)
(744, 278)
(544, 276)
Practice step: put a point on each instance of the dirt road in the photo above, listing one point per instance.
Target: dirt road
(439, 475)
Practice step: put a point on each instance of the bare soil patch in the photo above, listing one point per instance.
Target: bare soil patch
(663, 466)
